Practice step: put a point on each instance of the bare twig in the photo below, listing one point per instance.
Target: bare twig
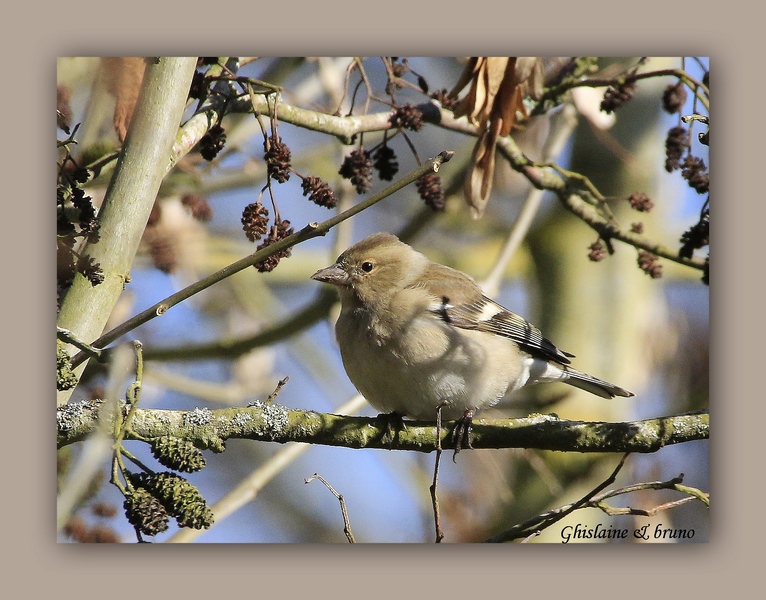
(67, 336)
(547, 519)
(672, 484)
(575, 200)
(437, 461)
(589, 212)
(277, 389)
(700, 90)
(347, 128)
(298, 320)
(344, 512)
(597, 500)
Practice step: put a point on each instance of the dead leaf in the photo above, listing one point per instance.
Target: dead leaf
(123, 77)
(498, 86)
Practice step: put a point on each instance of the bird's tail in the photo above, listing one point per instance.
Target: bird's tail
(594, 385)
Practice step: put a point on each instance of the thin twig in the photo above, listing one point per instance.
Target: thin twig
(368, 85)
(122, 427)
(344, 512)
(597, 501)
(589, 496)
(545, 520)
(347, 128)
(672, 484)
(693, 83)
(275, 393)
(434, 497)
(574, 200)
(67, 336)
(299, 319)
(642, 512)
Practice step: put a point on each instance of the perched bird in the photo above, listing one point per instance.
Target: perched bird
(415, 335)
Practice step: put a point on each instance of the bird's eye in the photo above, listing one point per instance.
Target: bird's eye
(367, 266)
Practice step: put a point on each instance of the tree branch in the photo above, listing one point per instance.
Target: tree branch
(275, 423)
(700, 89)
(310, 231)
(572, 193)
(143, 162)
(346, 128)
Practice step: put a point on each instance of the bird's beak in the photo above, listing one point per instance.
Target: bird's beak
(334, 275)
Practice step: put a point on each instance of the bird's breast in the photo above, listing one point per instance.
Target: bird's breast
(415, 368)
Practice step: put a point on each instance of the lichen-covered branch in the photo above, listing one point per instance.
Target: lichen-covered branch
(275, 423)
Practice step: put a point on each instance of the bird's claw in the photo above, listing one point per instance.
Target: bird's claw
(394, 423)
(462, 432)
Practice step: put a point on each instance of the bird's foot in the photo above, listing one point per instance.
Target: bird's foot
(462, 432)
(394, 423)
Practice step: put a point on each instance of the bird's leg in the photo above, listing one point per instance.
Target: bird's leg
(462, 432)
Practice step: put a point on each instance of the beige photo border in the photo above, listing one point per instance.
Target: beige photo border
(35, 564)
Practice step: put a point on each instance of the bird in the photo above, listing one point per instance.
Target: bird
(417, 337)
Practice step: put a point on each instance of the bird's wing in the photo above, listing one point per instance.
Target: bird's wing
(458, 300)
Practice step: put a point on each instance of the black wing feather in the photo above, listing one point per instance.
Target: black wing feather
(502, 322)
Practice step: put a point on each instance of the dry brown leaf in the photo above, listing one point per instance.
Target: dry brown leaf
(498, 86)
(123, 76)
